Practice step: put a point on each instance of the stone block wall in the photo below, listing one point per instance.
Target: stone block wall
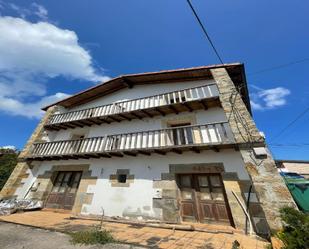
(270, 189)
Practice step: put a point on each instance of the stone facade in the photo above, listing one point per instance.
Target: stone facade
(20, 171)
(270, 189)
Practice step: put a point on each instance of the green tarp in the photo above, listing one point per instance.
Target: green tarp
(299, 189)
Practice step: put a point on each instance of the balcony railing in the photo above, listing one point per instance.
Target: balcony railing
(197, 137)
(161, 104)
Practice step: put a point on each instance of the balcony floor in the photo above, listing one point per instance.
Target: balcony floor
(139, 114)
(178, 149)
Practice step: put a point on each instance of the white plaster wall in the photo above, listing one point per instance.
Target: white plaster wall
(138, 197)
(215, 114)
(140, 91)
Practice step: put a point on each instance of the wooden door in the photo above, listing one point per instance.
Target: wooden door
(203, 198)
(64, 190)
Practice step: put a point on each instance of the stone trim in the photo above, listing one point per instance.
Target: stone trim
(82, 197)
(113, 179)
(19, 172)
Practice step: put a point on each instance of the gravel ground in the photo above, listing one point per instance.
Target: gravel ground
(14, 236)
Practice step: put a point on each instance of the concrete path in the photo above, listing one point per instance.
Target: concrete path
(14, 236)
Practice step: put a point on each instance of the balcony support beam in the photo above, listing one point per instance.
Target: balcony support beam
(163, 153)
(171, 107)
(77, 124)
(160, 111)
(118, 154)
(187, 106)
(196, 150)
(129, 153)
(115, 119)
(125, 117)
(135, 115)
(177, 151)
(146, 113)
(104, 120)
(215, 148)
(128, 83)
(144, 153)
(203, 104)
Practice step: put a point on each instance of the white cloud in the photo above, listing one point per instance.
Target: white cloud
(265, 99)
(43, 48)
(40, 11)
(30, 110)
(8, 147)
(30, 54)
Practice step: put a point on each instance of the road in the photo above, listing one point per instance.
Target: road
(14, 236)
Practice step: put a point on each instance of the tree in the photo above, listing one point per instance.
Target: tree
(8, 160)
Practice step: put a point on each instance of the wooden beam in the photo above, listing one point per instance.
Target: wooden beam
(187, 106)
(236, 147)
(173, 109)
(177, 151)
(196, 150)
(127, 82)
(51, 128)
(160, 152)
(215, 148)
(125, 117)
(160, 111)
(203, 104)
(104, 120)
(76, 124)
(84, 122)
(63, 127)
(113, 118)
(135, 115)
(129, 153)
(144, 152)
(104, 154)
(118, 154)
(95, 121)
(147, 113)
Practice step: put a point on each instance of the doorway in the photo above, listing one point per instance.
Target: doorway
(203, 199)
(63, 193)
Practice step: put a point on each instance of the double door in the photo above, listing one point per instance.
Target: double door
(63, 193)
(203, 198)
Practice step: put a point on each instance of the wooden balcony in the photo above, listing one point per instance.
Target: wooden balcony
(172, 102)
(195, 138)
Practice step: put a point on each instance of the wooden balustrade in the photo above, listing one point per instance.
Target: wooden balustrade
(145, 142)
(161, 104)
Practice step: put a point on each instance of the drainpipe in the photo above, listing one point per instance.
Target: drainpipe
(248, 203)
(245, 211)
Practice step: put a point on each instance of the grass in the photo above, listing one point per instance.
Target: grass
(91, 237)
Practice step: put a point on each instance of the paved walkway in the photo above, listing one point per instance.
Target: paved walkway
(138, 235)
(13, 236)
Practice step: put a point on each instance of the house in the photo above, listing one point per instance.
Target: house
(300, 167)
(173, 146)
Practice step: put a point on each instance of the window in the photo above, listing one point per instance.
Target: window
(122, 178)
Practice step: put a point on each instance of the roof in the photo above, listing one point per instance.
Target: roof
(235, 70)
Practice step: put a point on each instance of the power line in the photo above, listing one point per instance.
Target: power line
(290, 124)
(204, 30)
(279, 66)
(290, 145)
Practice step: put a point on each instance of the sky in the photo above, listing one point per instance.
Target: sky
(53, 49)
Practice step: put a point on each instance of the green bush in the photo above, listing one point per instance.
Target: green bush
(8, 160)
(295, 233)
(90, 237)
